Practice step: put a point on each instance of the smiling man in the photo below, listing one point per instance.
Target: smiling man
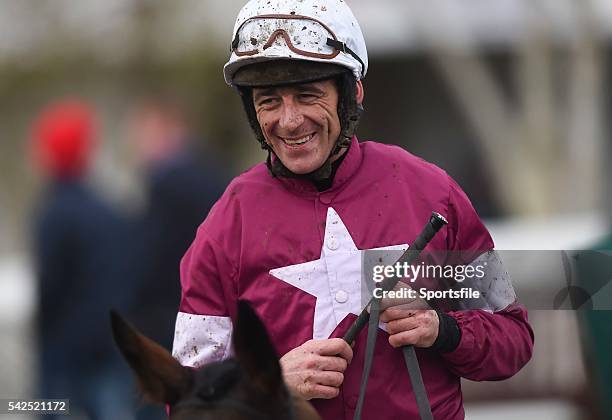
(288, 236)
(300, 123)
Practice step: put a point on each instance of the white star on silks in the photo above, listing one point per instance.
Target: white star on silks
(335, 279)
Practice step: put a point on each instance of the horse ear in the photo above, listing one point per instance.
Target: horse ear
(254, 350)
(160, 377)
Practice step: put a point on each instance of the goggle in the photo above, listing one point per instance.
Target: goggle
(303, 35)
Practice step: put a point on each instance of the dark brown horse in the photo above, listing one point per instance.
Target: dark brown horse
(250, 386)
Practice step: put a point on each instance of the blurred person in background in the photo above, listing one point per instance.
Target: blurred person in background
(80, 272)
(181, 185)
(180, 188)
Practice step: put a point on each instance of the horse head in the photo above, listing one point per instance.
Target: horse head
(248, 386)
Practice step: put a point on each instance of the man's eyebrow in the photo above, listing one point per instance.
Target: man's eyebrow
(263, 92)
(309, 88)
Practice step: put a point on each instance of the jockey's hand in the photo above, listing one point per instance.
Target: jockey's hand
(316, 368)
(405, 326)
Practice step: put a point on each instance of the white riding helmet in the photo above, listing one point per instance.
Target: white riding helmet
(323, 31)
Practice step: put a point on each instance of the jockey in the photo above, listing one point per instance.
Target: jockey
(289, 235)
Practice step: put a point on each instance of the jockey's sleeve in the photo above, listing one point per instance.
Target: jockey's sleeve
(203, 326)
(494, 344)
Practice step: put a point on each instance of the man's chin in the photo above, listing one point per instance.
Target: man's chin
(299, 168)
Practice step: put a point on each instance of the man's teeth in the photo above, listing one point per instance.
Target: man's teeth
(299, 141)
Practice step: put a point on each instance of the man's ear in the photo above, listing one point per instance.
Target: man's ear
(254, 351)
(360, 92)
(160, 377)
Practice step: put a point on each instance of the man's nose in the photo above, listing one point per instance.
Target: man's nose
(291, 115)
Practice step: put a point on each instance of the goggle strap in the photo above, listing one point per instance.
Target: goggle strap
(341, 46)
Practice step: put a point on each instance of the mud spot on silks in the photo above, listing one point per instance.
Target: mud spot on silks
(323, 9)
(195, 350)
(253, 41)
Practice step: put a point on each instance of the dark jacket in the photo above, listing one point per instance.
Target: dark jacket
(80, 266)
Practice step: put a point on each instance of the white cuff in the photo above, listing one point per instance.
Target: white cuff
(202, 339)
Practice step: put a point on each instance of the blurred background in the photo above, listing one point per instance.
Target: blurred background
(510, 97)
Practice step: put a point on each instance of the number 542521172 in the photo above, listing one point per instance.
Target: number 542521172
(39, 406)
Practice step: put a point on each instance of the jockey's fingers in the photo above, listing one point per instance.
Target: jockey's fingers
(317, 362)
(336, 347)
(403, 324)
(320, 391)
(331, 363)
(405, 338)
(397, 312)
(328, 378)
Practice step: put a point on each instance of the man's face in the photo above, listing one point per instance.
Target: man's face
(299, 122)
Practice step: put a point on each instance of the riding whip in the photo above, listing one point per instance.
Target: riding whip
(435, 223)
